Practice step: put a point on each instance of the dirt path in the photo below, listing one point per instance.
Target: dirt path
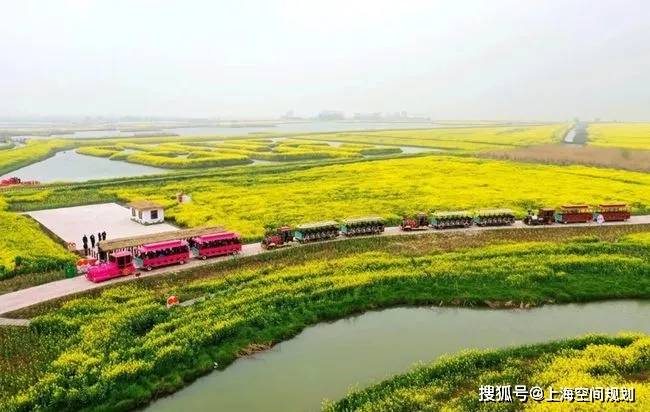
(37, 294)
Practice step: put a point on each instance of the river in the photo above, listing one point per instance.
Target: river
(69, 166)
(279, 127)
(326, 360)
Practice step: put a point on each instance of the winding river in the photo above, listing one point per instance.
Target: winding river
(326, 360)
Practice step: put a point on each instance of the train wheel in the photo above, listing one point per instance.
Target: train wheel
(148, 268)
(204, 257)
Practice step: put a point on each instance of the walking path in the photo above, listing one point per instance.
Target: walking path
(37, 294)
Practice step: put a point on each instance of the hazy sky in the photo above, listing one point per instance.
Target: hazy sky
(551, 59)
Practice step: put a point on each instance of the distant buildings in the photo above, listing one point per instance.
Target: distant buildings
(331, 115)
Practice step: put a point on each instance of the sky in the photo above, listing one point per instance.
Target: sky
(497, 59)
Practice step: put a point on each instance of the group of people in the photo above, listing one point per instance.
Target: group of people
(93, 240)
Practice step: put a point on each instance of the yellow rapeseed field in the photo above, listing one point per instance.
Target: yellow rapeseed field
(624, 135)
(390, 188)
(468, 139)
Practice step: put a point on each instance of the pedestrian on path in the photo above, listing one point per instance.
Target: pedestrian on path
(92, 241)
(104, 235)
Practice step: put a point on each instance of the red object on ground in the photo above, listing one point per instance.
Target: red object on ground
(172, 301)
(614, 212)
(13, 181)
(217, 244)
(119, 264)
(163, 254)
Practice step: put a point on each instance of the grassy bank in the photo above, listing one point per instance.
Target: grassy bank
(123, 348)
(452, 383)
(34, 151)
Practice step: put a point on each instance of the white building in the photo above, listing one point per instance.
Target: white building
(147, 212)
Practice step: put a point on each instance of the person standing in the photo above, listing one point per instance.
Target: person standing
(84, 240)
(104, 235)
(92, 241)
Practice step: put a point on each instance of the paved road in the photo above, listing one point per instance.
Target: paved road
(31, 296)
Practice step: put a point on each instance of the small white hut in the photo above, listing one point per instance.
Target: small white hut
(147, 212)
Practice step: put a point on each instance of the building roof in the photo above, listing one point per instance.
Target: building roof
(135, 241)
(145, 205)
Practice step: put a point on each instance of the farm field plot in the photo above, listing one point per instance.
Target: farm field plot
(624, 135)
(463, 139)
(24, 248)
(601, 156)
(123, 346)
(206, 153)
(247, 202)
(453, 382)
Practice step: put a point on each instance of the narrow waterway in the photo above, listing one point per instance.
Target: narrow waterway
(326, 360)
(69, 166)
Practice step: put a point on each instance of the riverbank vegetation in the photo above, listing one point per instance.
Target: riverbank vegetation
(205, 154)
(32, 152)
(453, 382)
(123, 347)
(634, 136)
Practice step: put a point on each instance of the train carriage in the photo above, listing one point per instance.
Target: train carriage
(371, 225)
(574, 214)
(280, 237)
(447, 220)
(494, 217)
(613, 212)
(312, 232)
(160, 254)
(419, 222)
(216, 244)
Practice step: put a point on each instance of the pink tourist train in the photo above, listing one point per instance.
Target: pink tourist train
(217, 244)
(154, 255)
(160, 254)
(119, 264)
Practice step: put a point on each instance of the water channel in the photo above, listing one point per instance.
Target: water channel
(326, 360)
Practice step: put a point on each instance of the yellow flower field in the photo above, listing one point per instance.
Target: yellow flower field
(624, 135)
(24, 248)
(390, 188)
(458, 138)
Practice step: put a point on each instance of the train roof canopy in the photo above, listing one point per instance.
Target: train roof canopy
(575, 206)
(135, 241)
(317, 225)
(216, 236)
(162, 245)
(455, 213)
(363, 220)
(490, 212)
